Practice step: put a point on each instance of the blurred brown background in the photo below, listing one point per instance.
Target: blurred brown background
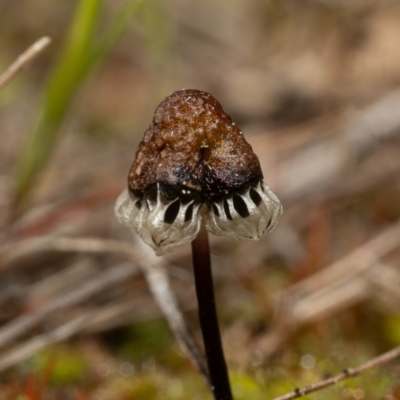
(314, 85)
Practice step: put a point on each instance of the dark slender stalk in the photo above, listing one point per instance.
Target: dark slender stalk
(208, 317)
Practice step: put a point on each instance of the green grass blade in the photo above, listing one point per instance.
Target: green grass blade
(57, 96)
(80, 55)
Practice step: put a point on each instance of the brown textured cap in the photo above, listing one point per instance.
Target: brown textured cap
(192, 142)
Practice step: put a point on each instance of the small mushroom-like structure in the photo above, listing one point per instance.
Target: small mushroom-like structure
(194, 166)
(194, 172)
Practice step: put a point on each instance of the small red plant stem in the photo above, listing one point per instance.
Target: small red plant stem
(208, 317)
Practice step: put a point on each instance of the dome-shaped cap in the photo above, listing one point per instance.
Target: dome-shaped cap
(194, 164)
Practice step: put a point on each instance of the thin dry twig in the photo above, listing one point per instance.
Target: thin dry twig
(155, 275)
(158, 283)
(384, 282)
(351, 264)
(348, 373)
(22, 60)
(335, 287)
(24, 248)
(29, 348)
(19, 326)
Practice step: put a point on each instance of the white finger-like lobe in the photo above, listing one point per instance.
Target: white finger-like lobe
(126, 209)
(161, 224)
(246, 216)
